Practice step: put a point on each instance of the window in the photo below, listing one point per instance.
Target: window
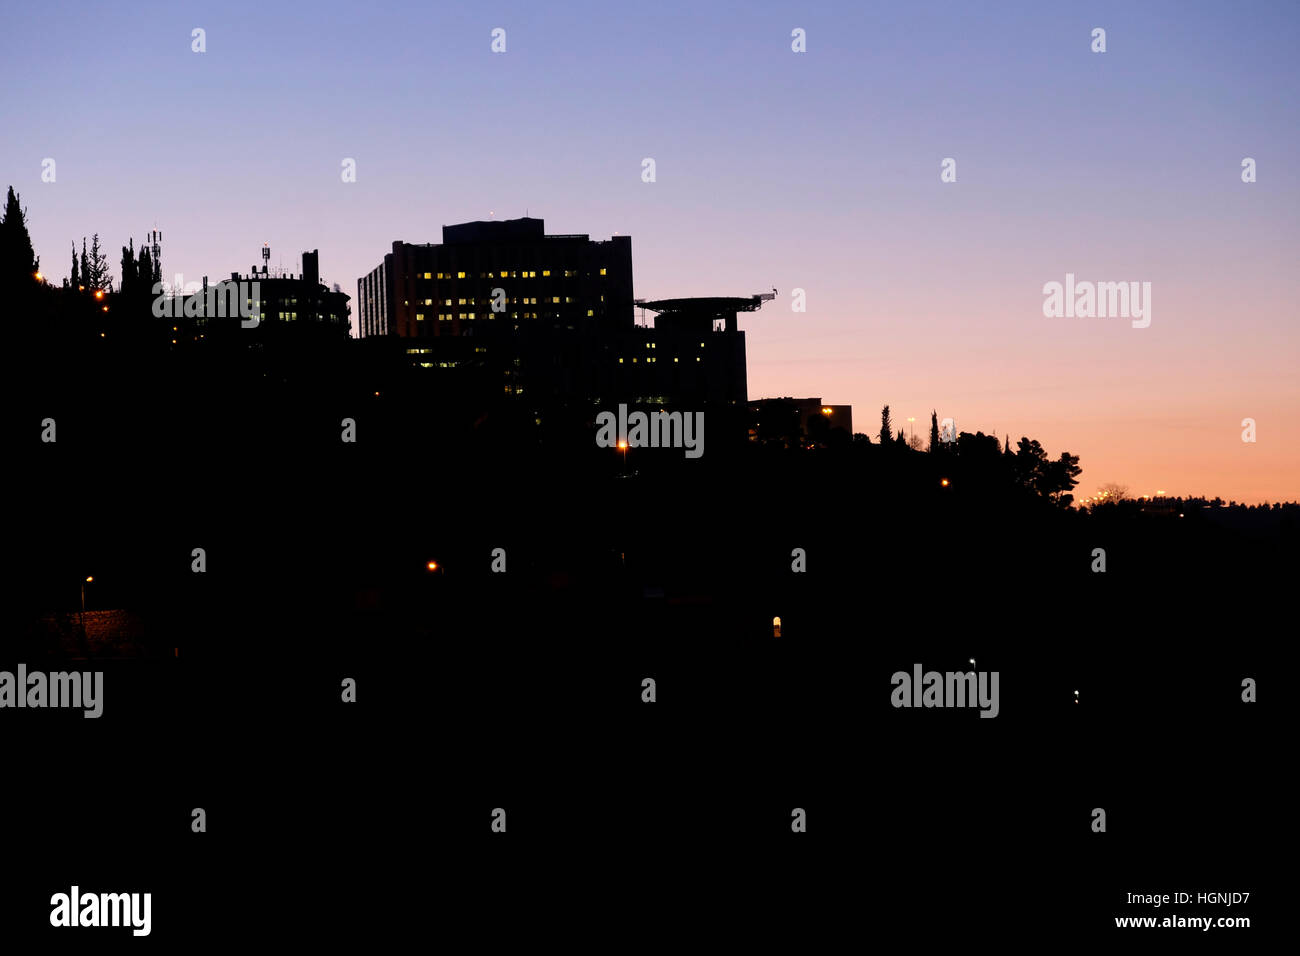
(546, 272)
(428, 275)
(591, 312)
(460, 275)
(419, 316)
(428, 302)
(555, 300)
(570, 273)
(602, 271)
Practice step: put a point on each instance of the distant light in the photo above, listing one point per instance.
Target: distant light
(39, 277)
(89, 579)
(99, 293)
(944, 482)
(622, 446)
(433, 565)
(826, 411)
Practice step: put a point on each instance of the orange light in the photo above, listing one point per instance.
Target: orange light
(39, 277)
(826, 411)
(99, 293)
(944, 482)
(433, 565)
(88, 580)
(622, 446)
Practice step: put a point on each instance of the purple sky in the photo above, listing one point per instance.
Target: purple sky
(817, 171)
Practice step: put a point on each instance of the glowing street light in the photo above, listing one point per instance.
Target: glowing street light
(944, 482)
(622, 446)
(432, 565)
(88, 580)
(99, 293)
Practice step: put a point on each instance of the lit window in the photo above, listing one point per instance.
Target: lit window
(620, 361)
(460, 275)
(446, 301)
(428, 275)
(602, 271)
(546, 272)
(674, 358)
(503, 273)
(555, 299)
(471, 315)
(428, 302)
(591, 312)
(697, 358)
(419, 316)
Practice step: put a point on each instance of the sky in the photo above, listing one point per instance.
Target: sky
(817, 171)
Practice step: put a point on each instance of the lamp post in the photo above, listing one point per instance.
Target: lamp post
(622, 446)
(83, 598)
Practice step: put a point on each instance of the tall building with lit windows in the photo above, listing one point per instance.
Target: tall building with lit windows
(449, 288)
(564, 329)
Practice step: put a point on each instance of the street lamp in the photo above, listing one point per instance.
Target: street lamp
(88, 580)
(910, 427)
(622, 446)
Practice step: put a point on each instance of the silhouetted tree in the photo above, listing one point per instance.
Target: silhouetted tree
(934, 431)
(18, 260)
(85, 265)
(75, 279)
(128, 286)
(98, 276)
(886, 428)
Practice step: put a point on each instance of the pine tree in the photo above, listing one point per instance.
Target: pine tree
(886, 429)
(75, 280)
(18, 260)
(934, 431)
(99, 277)
(85, 265)
(129, 269)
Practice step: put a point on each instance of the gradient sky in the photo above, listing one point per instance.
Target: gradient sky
(818, 171)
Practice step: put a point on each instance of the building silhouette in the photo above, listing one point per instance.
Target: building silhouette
(543, 319)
